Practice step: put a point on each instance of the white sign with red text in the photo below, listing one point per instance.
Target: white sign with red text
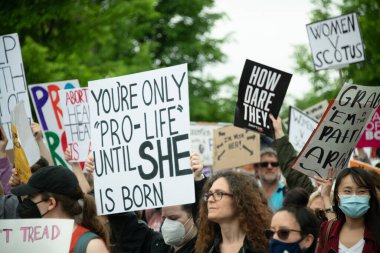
(36, 235)
(76, 122)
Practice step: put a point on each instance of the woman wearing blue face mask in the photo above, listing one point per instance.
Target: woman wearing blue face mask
(357, 228)
(293, 229)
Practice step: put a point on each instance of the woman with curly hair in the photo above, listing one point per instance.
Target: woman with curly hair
(233, 215)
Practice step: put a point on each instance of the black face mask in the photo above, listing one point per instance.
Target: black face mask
(27, 209)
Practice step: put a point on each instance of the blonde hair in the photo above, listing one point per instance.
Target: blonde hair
(314, 196)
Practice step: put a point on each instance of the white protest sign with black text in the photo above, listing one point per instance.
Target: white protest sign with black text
(316, 111)
(36, 235)
(261, 91)
(13, 88)
(335, 42)
(76, 121)
(202, 139)
(140, 130)
(301, 126)
(339, 130)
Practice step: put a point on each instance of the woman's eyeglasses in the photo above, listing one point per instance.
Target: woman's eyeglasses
(282, 233)
(216, 195)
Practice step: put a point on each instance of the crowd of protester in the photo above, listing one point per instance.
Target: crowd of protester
(270, 208)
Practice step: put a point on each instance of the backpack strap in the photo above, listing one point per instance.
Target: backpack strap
(84, 239)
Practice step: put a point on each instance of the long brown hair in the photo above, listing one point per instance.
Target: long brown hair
(253, 213)
(83, 214)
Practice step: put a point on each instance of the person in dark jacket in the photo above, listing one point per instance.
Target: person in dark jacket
(286, 157)
(276, 161)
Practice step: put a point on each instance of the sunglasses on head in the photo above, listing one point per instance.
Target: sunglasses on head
(321, 214)
(282, 233)
(272, 164)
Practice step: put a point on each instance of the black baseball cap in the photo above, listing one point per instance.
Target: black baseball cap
(53, 179)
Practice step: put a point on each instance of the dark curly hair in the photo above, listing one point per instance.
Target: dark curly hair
(251, 206)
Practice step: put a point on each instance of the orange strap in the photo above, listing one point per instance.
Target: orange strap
(79, 230)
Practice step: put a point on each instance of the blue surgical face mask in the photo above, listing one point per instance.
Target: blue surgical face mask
(354, 206)
(276, 246)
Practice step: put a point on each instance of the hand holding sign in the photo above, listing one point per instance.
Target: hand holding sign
(68, 158)
(277, 126)
(14, 180)
(37, 131)
(196, 166)
(89, 166)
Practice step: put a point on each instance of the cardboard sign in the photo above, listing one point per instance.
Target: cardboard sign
(140, 127)
(46, 103)
(356, 163)
(12, 82)
(371, 134)
(316, 111)
(336, 42)
(36, 235)
(25, 137)
(76, 121)
(202, 140)
(301, 126)
(234, 146)
(339, 130)
(261, 91)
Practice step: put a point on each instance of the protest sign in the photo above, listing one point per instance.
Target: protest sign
(36, 235)
(316, 111)
(12, 82)
(339, 130)
(371, 134)
(261, 91)
(141, 150)
(301, 126)
(76, 121)
(234, 146)
(335, 42)
(202, 139)
(25, 137)
(46, 103)
(356, 163)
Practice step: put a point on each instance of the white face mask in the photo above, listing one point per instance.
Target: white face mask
(173, 231)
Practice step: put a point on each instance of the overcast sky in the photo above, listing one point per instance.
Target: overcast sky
(265, 32)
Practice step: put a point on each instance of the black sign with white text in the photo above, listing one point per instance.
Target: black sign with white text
(261, 91)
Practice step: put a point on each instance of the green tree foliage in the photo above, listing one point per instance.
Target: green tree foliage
(326, 83)
(95, 39)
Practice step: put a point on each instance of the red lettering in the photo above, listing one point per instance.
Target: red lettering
(54, 97)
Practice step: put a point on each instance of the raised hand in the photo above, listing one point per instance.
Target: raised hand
(277, 126)
(89, 166)
(196, 166)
